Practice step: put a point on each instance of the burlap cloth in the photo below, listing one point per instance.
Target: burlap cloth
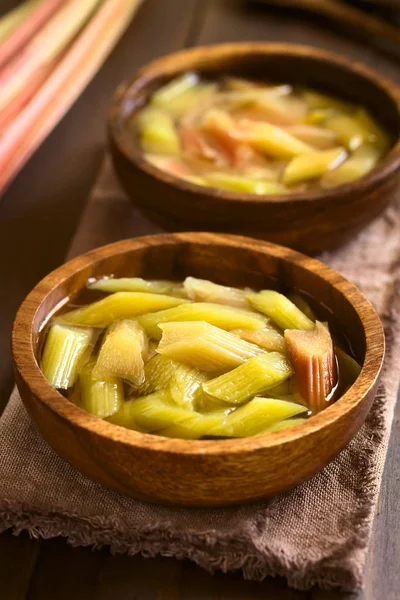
(315, 534)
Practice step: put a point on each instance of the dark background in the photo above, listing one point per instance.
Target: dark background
(38, 217)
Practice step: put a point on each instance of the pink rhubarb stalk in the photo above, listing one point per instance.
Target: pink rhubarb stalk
(63, 86)
(49, 43)
(33, 22)
(14, 108)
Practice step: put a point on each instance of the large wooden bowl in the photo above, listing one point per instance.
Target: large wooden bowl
(309, 221)
(201, 473)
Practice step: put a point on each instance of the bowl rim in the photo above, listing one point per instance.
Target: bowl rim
(28, 369)
(176, 61)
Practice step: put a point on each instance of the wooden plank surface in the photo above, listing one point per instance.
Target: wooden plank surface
(18, 556)
(38, 217)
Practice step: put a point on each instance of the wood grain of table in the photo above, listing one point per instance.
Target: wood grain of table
(38, 217)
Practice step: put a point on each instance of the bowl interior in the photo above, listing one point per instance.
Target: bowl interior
(315, 69)
(257, 265)
(210, 472)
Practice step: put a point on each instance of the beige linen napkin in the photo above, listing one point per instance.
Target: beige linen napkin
(315, 534)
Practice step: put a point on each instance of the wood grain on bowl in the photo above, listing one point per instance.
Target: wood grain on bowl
(310, 221)
(198, 473)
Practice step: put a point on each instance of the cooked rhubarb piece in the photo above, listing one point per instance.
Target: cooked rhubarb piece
(255, 376)
(349, 130)
(220, 125)
(174, 89)
(225, 317)
(349, 370)
(272, 140)
(302, 305)
(157, 132)
(183, 382)
(196, 144)
(64, 353)
(192, 359)
(319, 137)
(267, 338)
(237, 183)
(361, 162)
(203, 290)
(313, 358)
(255, 416)
(313, 165)
(255, 137)
(121, 354)
(316, 101)
(150, 413)
(377, 136)
(281, 425)
(173, 165)
(137, 284)
(204, 346)
(121, 305)
(102, 398)
(280, 309)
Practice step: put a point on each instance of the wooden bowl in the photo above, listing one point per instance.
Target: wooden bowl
(198, 473)
(310, 221)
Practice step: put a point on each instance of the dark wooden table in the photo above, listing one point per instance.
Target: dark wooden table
(38, 217)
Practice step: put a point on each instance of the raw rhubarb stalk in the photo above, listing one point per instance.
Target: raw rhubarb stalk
(12, 20)
(63, 86)
(11, 111)
(313, 358)
(36, 14)
(53, 38)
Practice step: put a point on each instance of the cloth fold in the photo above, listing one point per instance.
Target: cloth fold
(316, 534)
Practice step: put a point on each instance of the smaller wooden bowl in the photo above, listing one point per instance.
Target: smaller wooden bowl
(310, 221)
(198, 473)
